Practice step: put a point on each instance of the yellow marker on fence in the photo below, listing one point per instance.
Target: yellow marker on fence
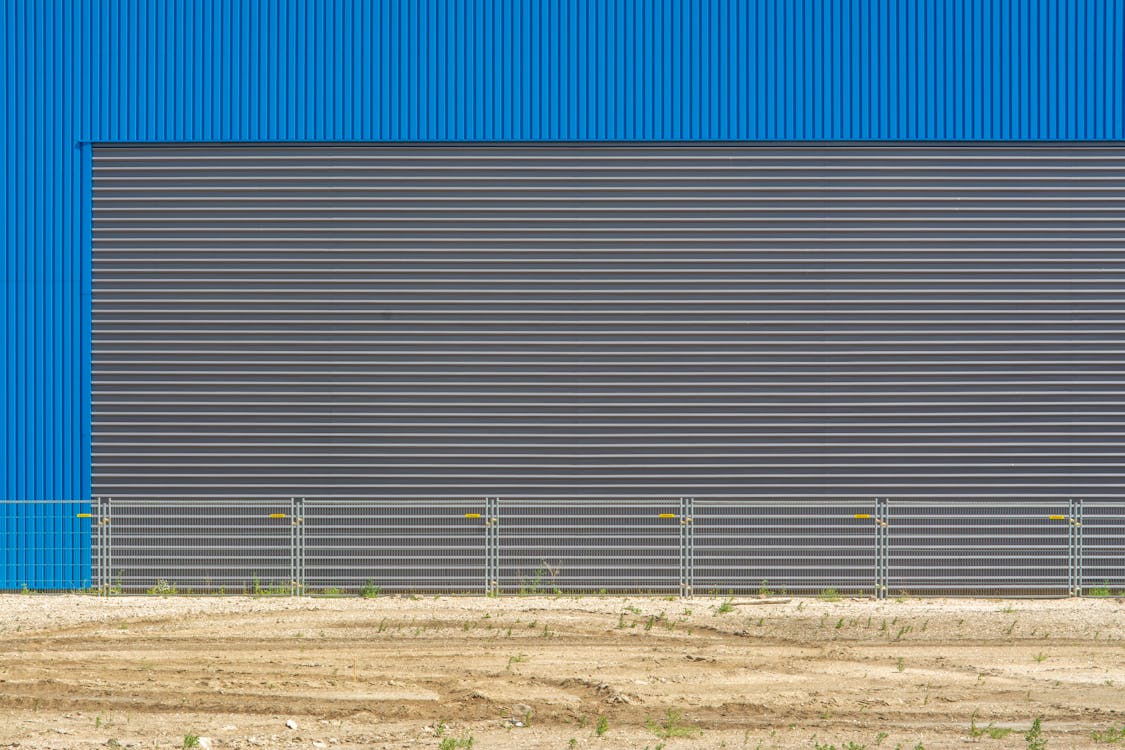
(472, 515)
(85, 515)
(667, 515)
(1057, 518)
(277, 515)
(863, 515)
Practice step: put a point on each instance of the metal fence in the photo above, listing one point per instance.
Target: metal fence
(45, 544)
(489, 545)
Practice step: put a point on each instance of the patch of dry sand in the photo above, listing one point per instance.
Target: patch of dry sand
(81, 672)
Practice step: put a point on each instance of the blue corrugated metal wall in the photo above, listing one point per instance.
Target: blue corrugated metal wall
(448, 70)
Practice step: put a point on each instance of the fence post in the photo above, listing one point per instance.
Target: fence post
(96, 545)
(687, 547)
(1077, 577)
(107, 537)
(492, 546)
(293, 547)
(882, 564)
(300, 546)
(487, 546)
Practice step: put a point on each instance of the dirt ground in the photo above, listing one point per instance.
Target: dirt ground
(401, 672)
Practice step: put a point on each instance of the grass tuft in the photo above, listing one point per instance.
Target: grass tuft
(673, 725)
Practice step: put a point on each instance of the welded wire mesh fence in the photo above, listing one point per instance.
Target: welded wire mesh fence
(583, 546)
(979, 549)
(1102, 548)
(404, 545)
(329, 546)
(195, 545)
(45, 544)
(759, 547)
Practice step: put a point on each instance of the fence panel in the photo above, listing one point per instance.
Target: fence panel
(45, 545)
(748, 546)
(402, 545)
(585, 546)
(479, 545)
(1103, 548)
(983, 548)
(199, 546)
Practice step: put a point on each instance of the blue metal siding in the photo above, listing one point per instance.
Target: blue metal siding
(474, 70)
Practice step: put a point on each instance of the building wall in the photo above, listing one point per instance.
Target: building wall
(425, 70)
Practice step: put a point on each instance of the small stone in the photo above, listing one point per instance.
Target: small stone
(204, 743)
(291, 724)
(229, 728)
(318, 743)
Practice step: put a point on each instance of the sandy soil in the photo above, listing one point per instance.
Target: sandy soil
(397, 672)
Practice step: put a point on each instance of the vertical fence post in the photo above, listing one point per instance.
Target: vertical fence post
(687, 547)
(300, 545)
(104, 574)
(878, 547)
(96, 545)
(487, 546)
(882, 564)
(1071, 551)
(292, 546)
(1081, 527)
(492, 546)
(1076, 575)
(496, 546)
(107, 539)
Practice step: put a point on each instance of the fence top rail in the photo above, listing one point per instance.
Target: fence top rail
(608, 502)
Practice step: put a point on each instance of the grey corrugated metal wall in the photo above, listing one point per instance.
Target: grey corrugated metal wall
(719, 321)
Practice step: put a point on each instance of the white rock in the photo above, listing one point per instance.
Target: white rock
(318, 743)
(204, 743)
(291, 724)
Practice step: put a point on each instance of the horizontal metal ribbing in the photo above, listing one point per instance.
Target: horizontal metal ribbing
(774, 321)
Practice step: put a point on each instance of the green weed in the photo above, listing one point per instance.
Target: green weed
(1109, 736)
(990, 731)
(672, 725)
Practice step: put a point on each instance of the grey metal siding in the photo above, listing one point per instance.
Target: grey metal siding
(774, 321)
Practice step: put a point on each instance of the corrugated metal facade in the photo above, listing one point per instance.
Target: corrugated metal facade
(214, 70)
(773, 322)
